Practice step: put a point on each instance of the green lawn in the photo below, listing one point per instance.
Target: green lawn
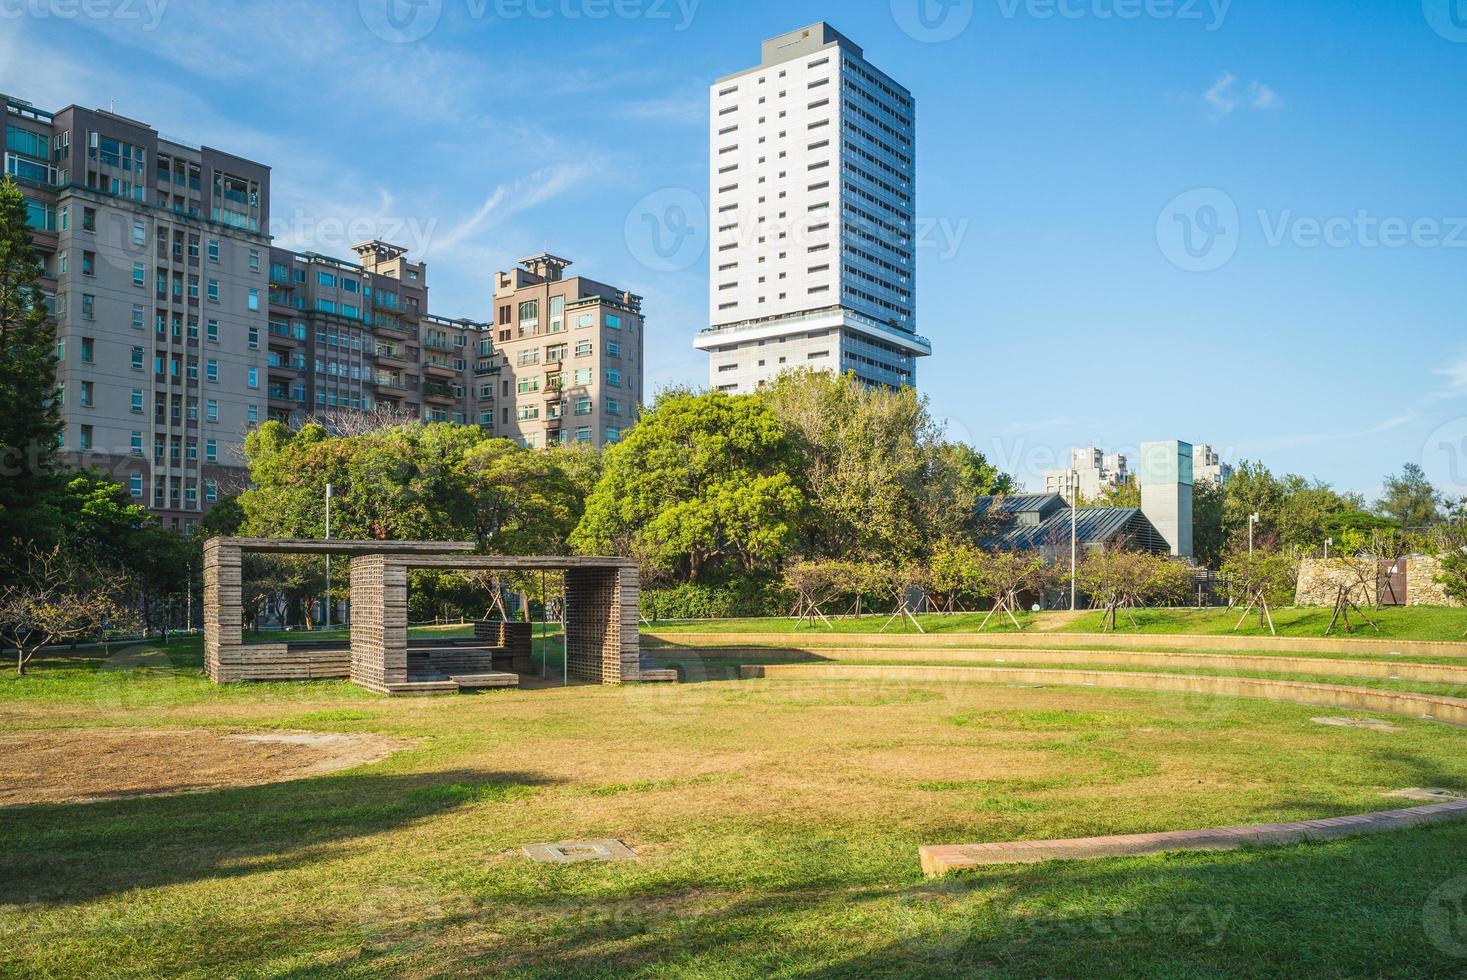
(778, 823)
(1399, 623)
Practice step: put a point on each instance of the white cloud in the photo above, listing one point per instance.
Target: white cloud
(1455, 371)
(514, 197)
(1220, 96)
(1265, 97)
(1224, 97)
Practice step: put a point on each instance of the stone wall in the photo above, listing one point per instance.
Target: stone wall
(1320, 580)
(1421, 586)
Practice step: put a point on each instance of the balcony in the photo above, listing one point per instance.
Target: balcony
(438, 391)
(390, 382)
(398, 356)
(440, 366)
(438, 343)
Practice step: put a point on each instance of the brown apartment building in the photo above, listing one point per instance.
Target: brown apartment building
(572, 352)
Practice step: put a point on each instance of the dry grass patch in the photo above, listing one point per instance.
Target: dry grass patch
(78, 765)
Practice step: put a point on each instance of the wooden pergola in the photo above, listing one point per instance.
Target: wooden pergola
(602, 639)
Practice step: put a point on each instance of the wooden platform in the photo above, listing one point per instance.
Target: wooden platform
(941, 859)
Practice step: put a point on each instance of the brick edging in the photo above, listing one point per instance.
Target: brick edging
(941, 859)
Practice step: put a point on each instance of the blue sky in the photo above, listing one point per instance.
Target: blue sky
(1241, 222)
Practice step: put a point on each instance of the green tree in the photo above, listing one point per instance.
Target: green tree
(881, 482)
(30, 425)
(1409, 499)
(519, 501)
(699, 480)
(1209, 540)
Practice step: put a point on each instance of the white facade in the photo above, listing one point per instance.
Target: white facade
(812, 194)
(1092, 471)
(1208, 465)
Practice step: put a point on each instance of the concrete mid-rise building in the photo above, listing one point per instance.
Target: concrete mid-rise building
(813, 211)
(1208, 465)
(572, 351)
(1092, 472)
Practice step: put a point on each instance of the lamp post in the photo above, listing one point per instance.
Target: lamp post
(1074, 522)
(1252, 520)
(328, 557)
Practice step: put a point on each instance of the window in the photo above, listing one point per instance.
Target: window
(254, 300)
(613, 435)
(211, 450)
(89, 263)
(254, 336)
(583, 434)
(86, 394)
(613, 378)
(557, 314)
(211, 490)
(213, 248)
(137, 317)
(89, 221)
(585, 376)
(211, 369)
(88, 350)
(136, 444)
(613, 407)
(63, 263)
(613, 349)
(252, 413)
(139, 275)
(211, 410)
(211, 331)
(583, 349)
(254, 261)
(135, 482)
(89, 306)
(585, 320)
(253, 378)
(137, 401)
(584, 406)
(613, 322)
(528, 413)
(86, 438)
(139, 229)
(213, 290)
(193, 449)
(528, 386)
(137, 358)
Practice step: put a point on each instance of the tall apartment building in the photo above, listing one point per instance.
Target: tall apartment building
(1092, 471)
(571, 350)
(155, 263)
(346, 337)
(179, 327)
(813, 191)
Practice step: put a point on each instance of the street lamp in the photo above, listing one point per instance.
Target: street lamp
(1252, 520)
(1074, 521)
(328, 557)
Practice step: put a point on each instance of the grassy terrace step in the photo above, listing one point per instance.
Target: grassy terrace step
(1397, 623)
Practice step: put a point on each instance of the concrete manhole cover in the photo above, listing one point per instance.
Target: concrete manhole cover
(573, 851)
(1370, 723)
(1432, 794)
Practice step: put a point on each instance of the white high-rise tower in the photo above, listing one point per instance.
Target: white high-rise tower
(813, 195)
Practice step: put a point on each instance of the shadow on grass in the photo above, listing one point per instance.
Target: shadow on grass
(1366, 907)
(73, 852)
